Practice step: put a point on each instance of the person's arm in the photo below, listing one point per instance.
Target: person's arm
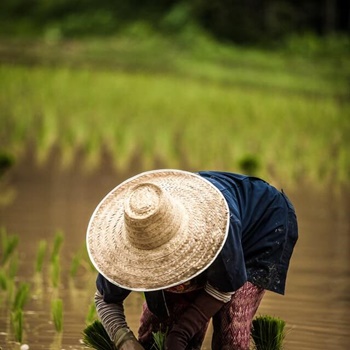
(109, 300)
(197, 315)
(112, 317)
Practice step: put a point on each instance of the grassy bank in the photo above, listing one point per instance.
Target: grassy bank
(200, 106)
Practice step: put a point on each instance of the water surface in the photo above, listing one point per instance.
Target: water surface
(316, 306)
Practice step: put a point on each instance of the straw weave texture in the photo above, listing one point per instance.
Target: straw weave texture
(157, 229)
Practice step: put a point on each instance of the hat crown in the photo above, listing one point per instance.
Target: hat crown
(143, 201)
(151, 216)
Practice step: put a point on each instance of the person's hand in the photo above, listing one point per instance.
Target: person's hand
(131, 345)
(188, 325)
(175, 340)
(192, 321)
(125, 340)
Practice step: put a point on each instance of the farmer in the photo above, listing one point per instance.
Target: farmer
(200, 246)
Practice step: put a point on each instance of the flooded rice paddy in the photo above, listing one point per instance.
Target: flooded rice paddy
(316, 306)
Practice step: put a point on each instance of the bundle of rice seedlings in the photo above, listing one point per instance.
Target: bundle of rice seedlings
(96, 337)
(268, 333)
(159, 340)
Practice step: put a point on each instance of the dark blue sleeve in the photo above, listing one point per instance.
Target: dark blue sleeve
(110, 292)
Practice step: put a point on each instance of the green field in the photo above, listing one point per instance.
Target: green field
(198, 105)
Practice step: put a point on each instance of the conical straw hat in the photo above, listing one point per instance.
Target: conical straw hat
(157, 229)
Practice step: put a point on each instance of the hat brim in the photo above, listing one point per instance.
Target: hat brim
(180, 259)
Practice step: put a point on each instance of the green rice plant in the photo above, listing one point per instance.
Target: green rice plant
(57, 244)
(10, 291)
(76, 262)
(96, 337)
(40, 256)
(13, 265)
(3, 280)
(57, 314)
(55, 271)
(17, 324)
(159, 339)
(21, 296)
(213, 124)
(91, 315)
(90, 265)
(268, 333)
(8, 246)
(85, 261)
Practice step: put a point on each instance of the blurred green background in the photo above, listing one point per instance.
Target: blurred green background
(260, 87)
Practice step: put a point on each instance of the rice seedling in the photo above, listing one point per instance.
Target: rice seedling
(17, 324)
(3, 280)
(159, 339)
(225, 120)
(85, 261)
(39, 281)
(96, 337)
(13, 265)
(10, 292)
(21, 296)
(268, 333)
(57, 244)
(57, 314)
(76, 262)
(4, 285)
(8, 246)
(40, 256)
(55, 271)
(91, 315)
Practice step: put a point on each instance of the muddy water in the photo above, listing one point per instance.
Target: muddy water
(316, 306)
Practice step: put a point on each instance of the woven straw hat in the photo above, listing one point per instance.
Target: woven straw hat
(157, 229)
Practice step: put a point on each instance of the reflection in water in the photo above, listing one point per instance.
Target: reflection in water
(315, 307)
(57, 342)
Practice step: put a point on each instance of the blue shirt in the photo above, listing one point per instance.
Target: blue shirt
(262, 234)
